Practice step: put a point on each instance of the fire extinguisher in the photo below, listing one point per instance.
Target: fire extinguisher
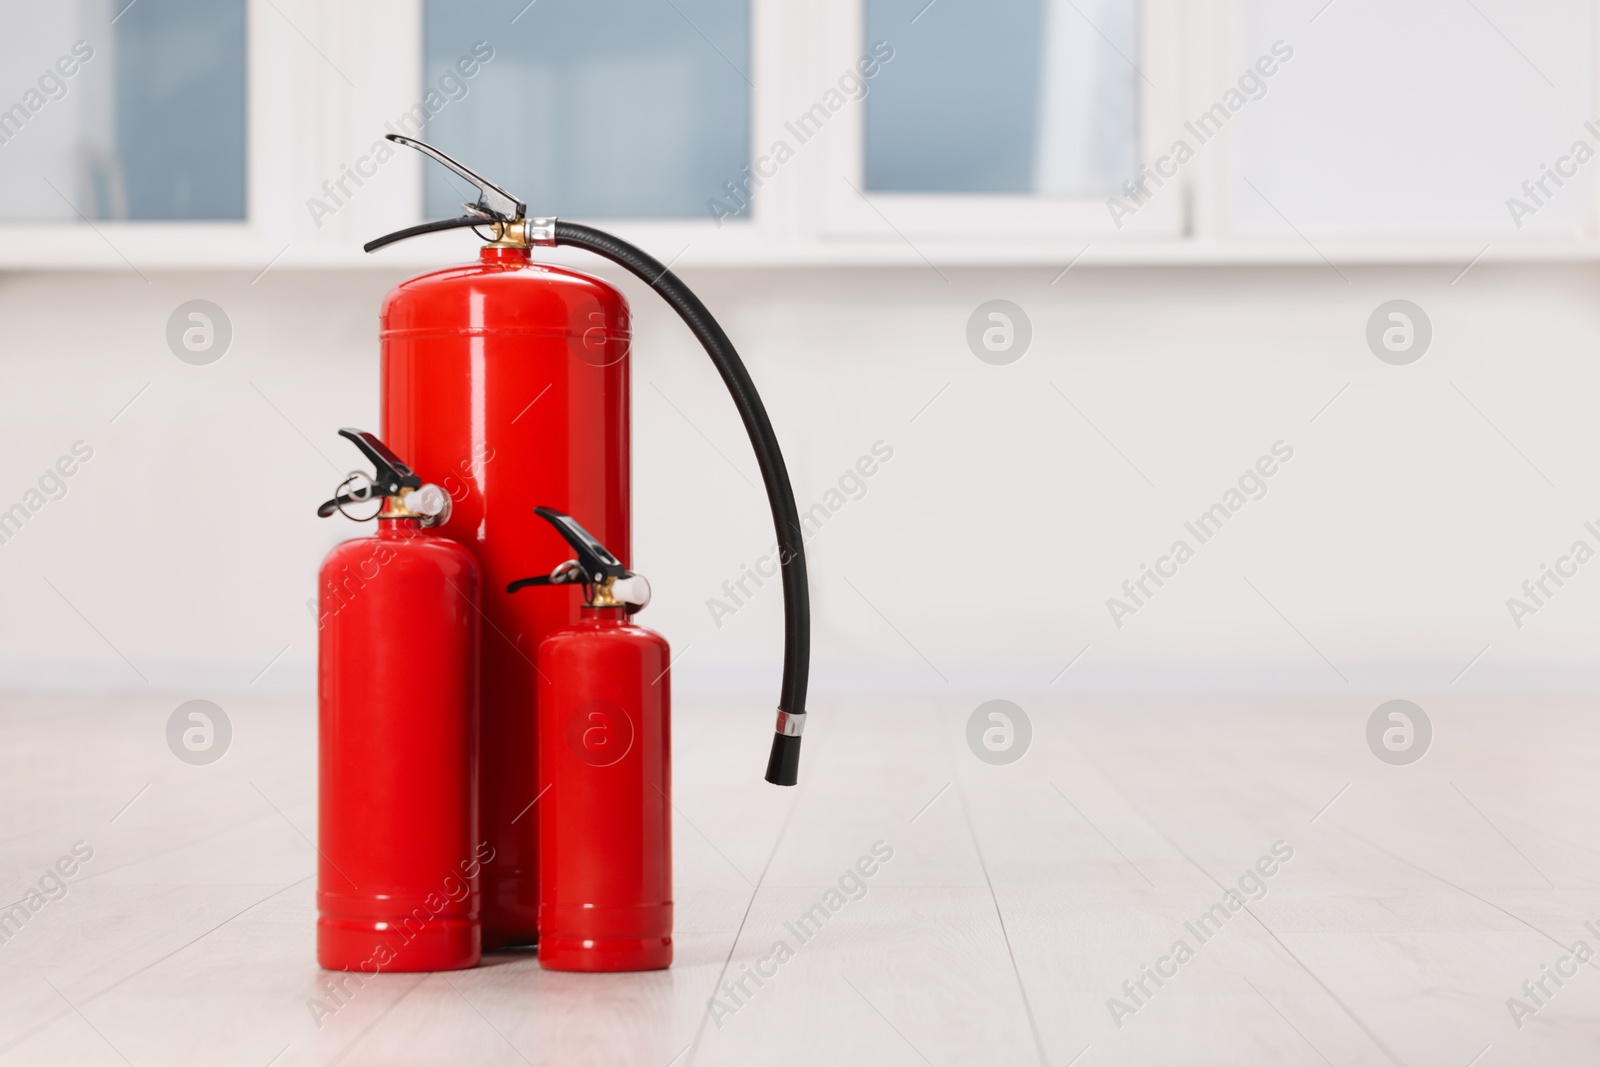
(397, 675)
(507, 380)
(605, 771)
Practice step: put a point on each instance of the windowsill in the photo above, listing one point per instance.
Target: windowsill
(215, 246)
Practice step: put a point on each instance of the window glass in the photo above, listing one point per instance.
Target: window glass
(1006, 96)
(598, 109)
(123, 111)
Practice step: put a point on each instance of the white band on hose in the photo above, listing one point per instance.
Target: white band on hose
(791, 724)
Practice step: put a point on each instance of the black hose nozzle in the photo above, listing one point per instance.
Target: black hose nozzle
(783, 765)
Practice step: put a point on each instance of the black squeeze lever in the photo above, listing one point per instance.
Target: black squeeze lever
(392, 474)
(594, 564)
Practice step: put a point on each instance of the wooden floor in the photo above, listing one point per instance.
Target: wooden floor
(1018, 900)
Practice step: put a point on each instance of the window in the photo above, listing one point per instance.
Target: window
(600, 109)
(131, 116)
(1011, 121)
(1010, 96)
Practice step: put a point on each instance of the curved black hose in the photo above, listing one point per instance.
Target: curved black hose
(418, 231)
(783, 764)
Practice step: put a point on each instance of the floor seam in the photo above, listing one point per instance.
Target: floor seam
(1027, 1005)
(733, 946)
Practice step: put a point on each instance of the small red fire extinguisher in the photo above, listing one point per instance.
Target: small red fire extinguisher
(605, 771)
(397, 675)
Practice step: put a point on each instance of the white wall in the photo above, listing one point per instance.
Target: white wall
(990, 541)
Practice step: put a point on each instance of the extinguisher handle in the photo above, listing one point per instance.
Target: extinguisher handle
(594, 567)
(392, 477)
(493, 201)
(595, 559)
(392, 474)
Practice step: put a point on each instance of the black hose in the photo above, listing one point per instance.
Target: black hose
(418, 231)
(783, 764)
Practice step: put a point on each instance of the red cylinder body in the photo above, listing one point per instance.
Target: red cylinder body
(506, 383)
(605, 823)
(397, 653)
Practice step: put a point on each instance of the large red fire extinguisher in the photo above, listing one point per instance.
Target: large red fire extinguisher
(397, 663)
(506, 381)
(605, 771)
